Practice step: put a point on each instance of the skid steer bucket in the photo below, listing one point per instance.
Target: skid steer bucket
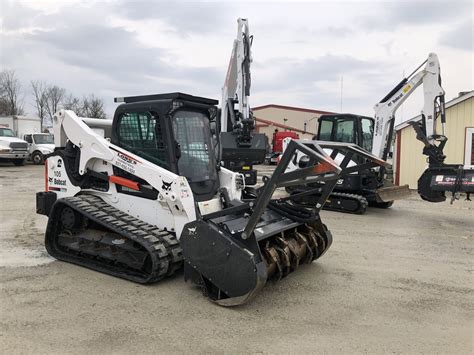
(232, 253)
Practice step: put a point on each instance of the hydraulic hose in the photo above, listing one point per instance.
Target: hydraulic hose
(293, 211)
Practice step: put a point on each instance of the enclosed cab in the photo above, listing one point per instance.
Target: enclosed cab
(347, 128)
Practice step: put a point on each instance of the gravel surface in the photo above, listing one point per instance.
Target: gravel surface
(396, 280)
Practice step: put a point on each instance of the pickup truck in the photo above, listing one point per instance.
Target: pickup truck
(12, 149)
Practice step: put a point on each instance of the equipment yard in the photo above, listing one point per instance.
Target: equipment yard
(395, 280)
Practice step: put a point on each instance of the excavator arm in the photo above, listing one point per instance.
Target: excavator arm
(385, 110)
(439, 177)
(241, 147)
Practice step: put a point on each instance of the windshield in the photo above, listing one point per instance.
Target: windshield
(6, 132)
(43, 138)
(345, 130)
(193, 135)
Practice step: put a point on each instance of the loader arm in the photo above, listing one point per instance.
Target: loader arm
(68, 127)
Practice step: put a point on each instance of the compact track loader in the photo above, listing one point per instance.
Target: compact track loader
(142, 195)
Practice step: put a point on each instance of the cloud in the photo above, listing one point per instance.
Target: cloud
(461, 37)
(393, 15)
(295, 73)
(183, 16)
(15, 15)
(116, 48)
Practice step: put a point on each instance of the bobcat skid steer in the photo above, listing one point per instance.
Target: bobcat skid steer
(141, 195)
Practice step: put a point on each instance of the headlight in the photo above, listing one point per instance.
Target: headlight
(5, 150)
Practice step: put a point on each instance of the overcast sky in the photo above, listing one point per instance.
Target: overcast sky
(300, 50)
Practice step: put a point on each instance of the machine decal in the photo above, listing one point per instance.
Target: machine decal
(125, 161)
(184, 193)
(378, 126)
(166, 185)
(395, 99)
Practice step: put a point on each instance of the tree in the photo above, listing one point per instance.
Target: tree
(92, 106)
(10, 89)
(88, 106)
(54, 98)
(74, 104)
(40, 89)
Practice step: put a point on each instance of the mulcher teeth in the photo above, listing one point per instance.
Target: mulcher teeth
(285, 252)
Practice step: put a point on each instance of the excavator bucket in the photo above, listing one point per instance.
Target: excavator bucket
(232, 253)
(391, 193)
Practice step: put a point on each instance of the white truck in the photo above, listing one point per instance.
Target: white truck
(27, 130)
(12, 148)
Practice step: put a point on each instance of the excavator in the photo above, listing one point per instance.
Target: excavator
(146, 194)
(369, 187)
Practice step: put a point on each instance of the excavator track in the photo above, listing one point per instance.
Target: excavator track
(349, 203)
(86, 231)
(337, 201)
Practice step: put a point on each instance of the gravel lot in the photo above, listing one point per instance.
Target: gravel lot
(396, 280)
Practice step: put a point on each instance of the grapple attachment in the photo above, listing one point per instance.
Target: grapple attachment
(232, 253)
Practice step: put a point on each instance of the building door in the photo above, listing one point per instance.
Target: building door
(469, 149)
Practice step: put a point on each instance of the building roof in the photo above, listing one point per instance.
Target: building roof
(291, 108)
(280, 125)
(448, 104)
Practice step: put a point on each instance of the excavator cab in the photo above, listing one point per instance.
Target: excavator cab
(172, 131)
(347, 128)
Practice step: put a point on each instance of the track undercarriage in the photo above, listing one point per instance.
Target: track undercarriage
(85, 230)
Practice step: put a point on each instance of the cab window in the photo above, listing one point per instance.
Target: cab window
(28, 138)
(367, 126)
(325, 130)
(140, 133)
(345, 131)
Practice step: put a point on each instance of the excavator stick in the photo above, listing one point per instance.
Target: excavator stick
(232, 253)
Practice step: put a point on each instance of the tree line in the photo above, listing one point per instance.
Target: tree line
(48, 99)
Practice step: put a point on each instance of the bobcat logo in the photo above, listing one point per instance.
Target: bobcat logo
(166, 186)
(192, 231)
(50, 179)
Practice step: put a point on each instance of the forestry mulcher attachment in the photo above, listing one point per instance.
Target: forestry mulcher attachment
(139, 196)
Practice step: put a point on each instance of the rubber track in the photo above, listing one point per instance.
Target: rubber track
(361, 200)
(162, 246)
